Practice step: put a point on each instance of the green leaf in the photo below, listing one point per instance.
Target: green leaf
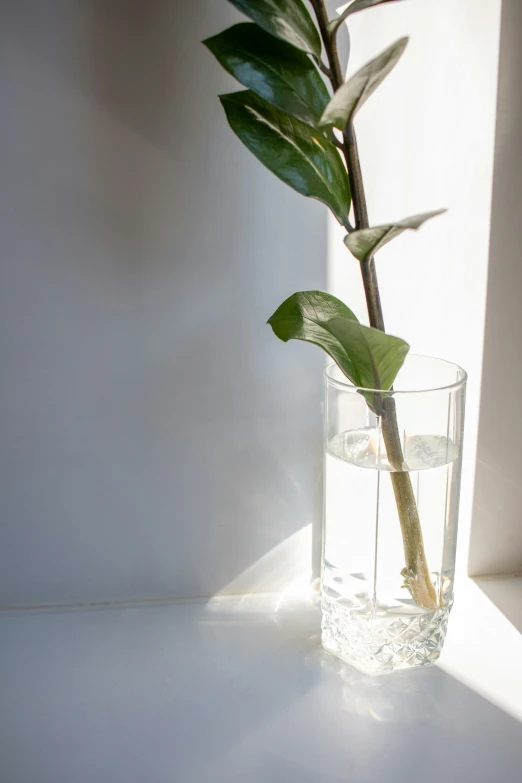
(367, 241)
(286, 19)
(355, 92)
(305, 316)
(377, 357)
(369, 358)
(278, 72)
(300, 156)
(359, 5)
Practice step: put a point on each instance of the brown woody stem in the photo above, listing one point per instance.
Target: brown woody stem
(416, 572)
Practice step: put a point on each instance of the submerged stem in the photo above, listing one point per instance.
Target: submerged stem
(417, 574)
(416, 571)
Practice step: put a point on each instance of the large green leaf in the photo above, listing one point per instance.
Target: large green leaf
(305, 316)
(286, 19)
(368, 357)
(355, 92)
(278, 72)
(376, 357)
(359, 5)
(367, 241)
(300, 156)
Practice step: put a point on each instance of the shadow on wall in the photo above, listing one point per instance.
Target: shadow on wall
(506, 594)
(157, 439)
(496, 536)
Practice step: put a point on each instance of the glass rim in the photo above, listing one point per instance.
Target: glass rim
(346, 385)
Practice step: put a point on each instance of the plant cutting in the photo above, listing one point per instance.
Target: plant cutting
(393, 422)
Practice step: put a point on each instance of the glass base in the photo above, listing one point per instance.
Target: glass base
(383, 643)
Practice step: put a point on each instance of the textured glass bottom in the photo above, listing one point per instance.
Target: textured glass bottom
(378, 644)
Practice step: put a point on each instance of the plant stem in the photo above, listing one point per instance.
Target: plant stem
(416, 573)
(368, 271)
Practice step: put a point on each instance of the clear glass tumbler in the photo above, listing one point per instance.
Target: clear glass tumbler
(392, 486)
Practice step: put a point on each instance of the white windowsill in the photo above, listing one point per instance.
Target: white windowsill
(238, 689)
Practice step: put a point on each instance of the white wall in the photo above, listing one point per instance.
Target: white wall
(427, 140)
(155, 437)
(496, 539)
